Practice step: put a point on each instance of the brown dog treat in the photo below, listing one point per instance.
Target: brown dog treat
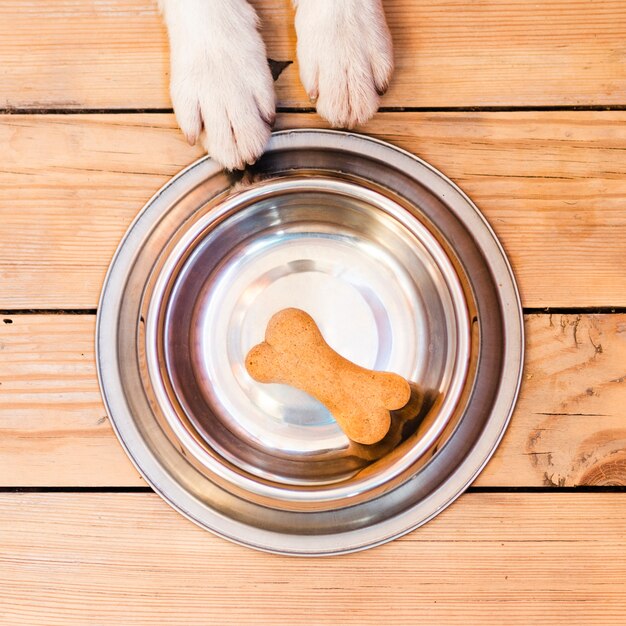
(295, 353)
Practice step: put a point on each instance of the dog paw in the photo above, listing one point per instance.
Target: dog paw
(346, 57)
(221, 85)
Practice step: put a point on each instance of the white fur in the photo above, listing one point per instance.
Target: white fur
(221, 81)
(345, 55)
(220, 78)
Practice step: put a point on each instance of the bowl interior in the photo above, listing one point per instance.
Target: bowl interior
(378, 285)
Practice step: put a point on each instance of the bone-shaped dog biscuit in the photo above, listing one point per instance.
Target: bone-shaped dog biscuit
(294, 353)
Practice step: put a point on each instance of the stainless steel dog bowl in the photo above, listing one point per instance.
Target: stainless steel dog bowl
(402, 274)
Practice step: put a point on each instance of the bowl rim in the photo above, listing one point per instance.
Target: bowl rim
(373, 482)
(442, 496)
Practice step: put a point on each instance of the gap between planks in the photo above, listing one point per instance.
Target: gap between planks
(310, 109)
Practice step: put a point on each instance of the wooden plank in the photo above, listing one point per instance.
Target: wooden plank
(53, 425)
(113, 54)
(551, 183)
(569, 427)
(496, 559)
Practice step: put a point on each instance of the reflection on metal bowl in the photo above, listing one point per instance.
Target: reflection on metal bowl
(401, 273)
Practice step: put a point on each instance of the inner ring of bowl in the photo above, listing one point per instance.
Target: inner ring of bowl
(214, 297)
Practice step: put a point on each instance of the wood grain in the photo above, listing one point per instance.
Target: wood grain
(552, 184)
(512, 559)
(569, 427)
(68, 54)
(53, 425)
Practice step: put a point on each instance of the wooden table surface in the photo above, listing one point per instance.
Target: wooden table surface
(524, 106)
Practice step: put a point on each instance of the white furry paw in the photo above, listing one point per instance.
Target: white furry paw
(221, 85)
(346, 57)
